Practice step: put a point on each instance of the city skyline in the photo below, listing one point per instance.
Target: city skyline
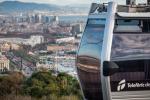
(67, 2)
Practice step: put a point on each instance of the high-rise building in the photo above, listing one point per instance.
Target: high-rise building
(55, 20)
(38, 18)
(45, 19)
(76, 28)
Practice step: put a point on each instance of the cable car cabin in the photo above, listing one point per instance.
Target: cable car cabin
(131, 52)
(113, 59)
(88, 57)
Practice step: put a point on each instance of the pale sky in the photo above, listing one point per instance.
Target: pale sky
(66, 2)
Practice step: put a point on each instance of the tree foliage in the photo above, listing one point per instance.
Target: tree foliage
(43, 85)
(11, 84)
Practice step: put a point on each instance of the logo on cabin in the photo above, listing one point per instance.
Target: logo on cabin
(121, 85)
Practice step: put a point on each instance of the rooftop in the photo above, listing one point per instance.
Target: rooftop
(3, 57)
(129, 8)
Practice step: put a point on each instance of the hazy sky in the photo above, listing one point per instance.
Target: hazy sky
(66, 2)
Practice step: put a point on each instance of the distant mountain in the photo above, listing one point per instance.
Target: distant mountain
(12, 6)
(80, 6)
(17, 6)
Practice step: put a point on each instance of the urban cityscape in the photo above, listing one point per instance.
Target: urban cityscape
(42, 37)
(33, 41)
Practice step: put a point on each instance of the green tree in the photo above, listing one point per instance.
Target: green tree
(11, 84)
(68, 85)
(46, 85)
(41, 84)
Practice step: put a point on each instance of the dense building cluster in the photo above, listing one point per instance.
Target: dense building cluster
(36, 41)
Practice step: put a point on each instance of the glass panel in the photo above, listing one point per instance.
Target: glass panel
(88, 59)
(93, 34)
(135, 73)
(94, 31)
(96, 22)
(146, 26)
(131, 46)
(128, 22)
(131, 52)
(127, 25)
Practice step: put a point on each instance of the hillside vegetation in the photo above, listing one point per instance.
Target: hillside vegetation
(40, 86)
